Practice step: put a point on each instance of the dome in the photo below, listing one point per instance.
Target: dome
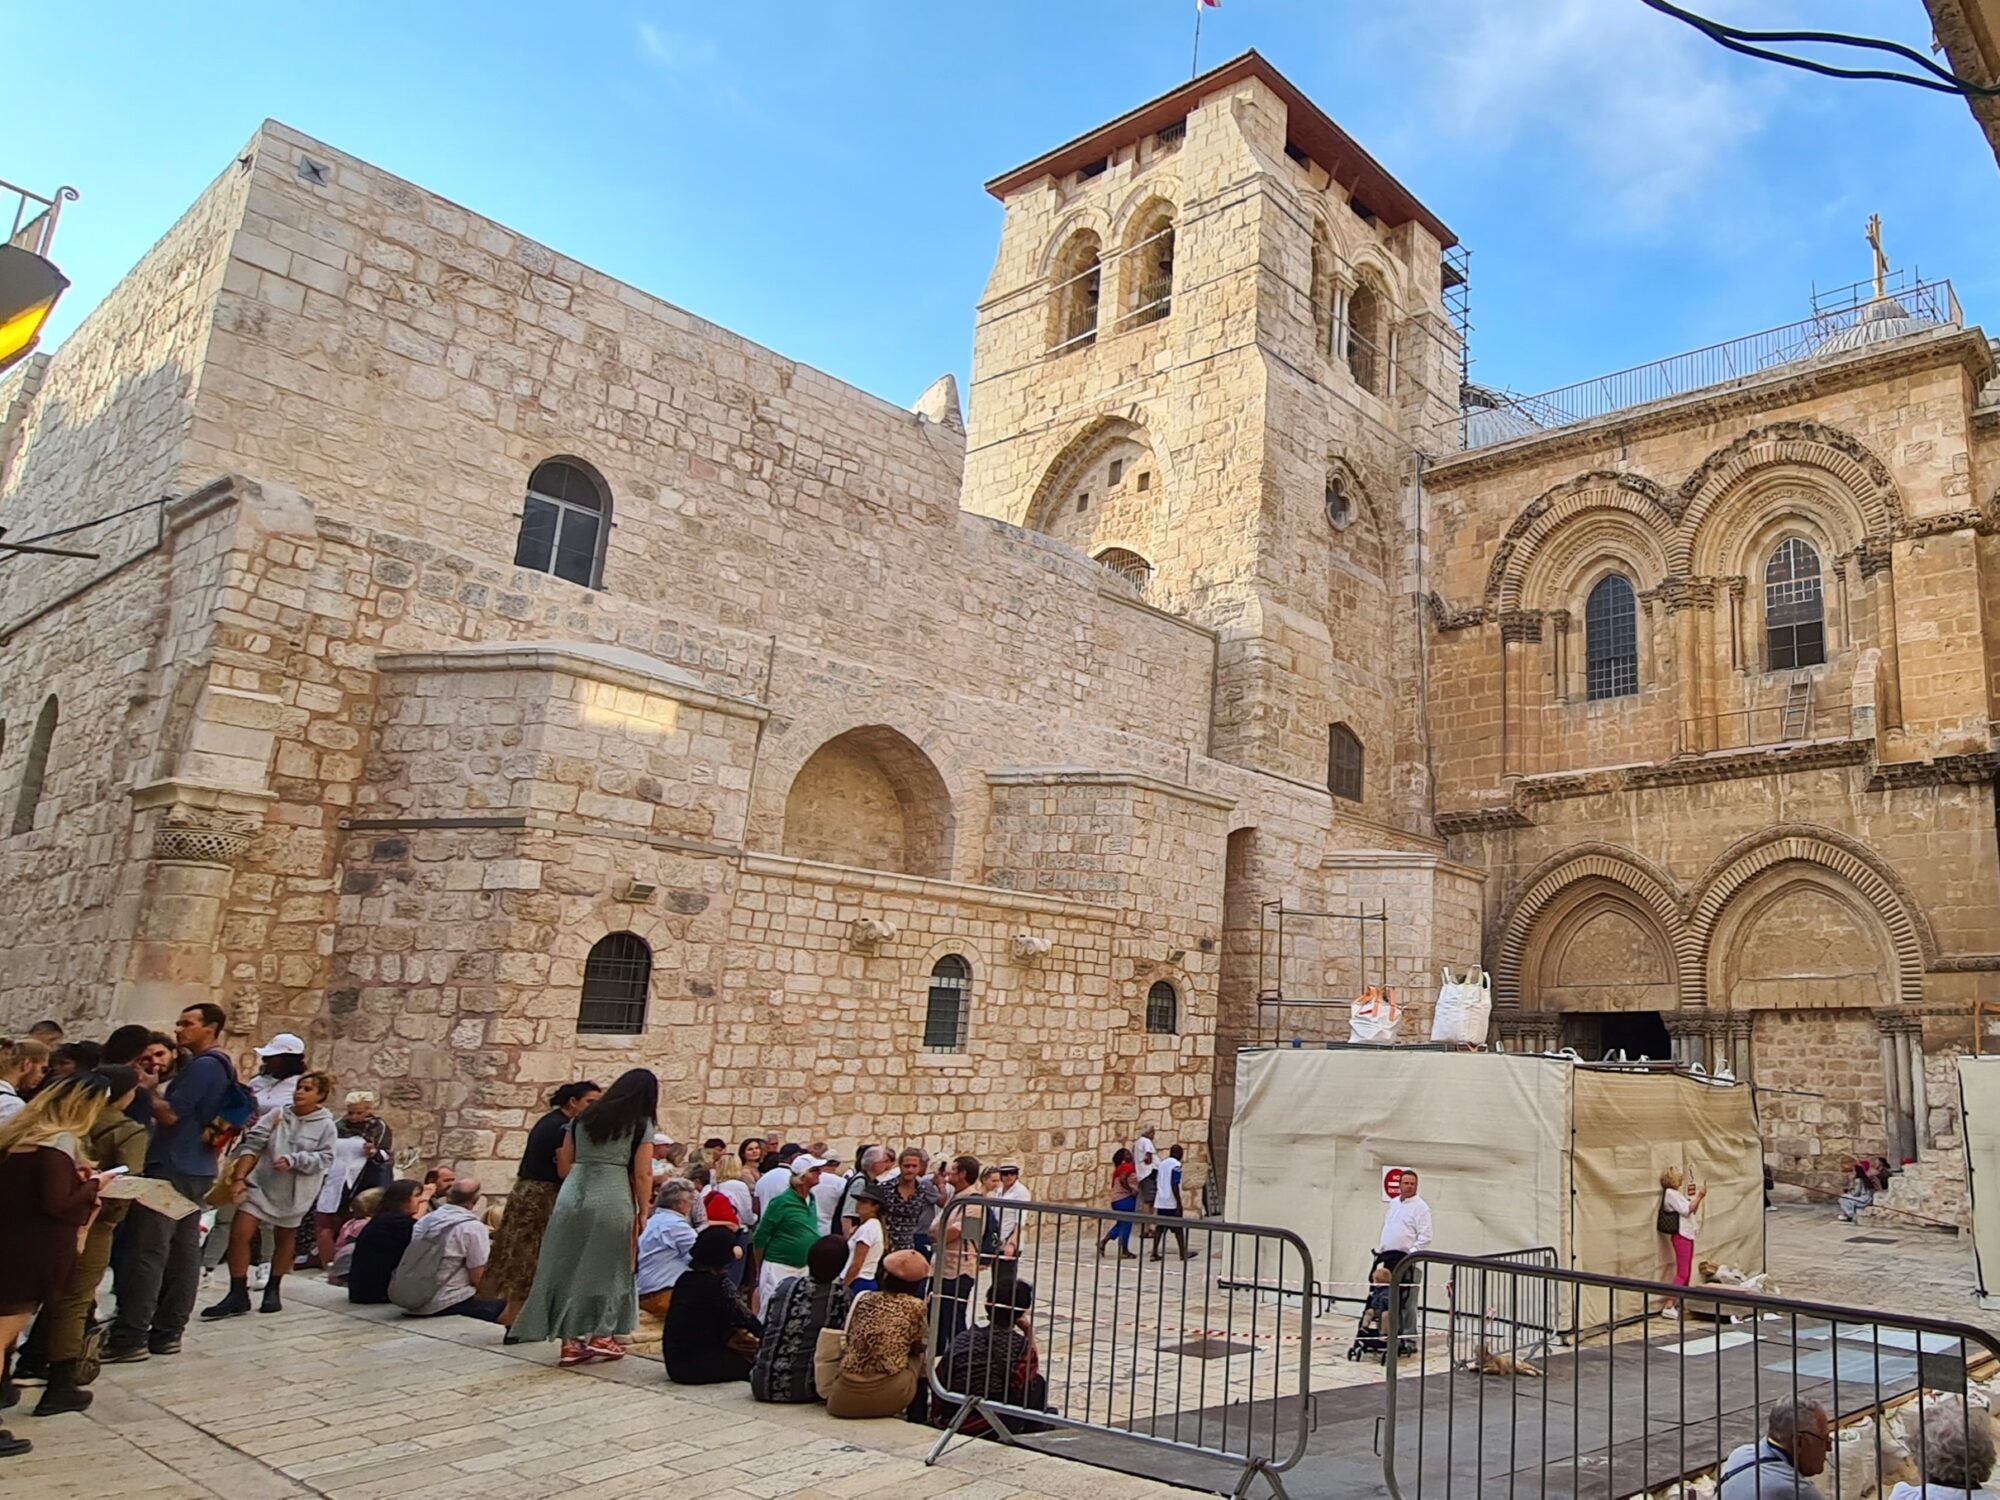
(1490, 417)
(1880, 321)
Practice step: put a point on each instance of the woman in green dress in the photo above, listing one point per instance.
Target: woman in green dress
(584, 1291)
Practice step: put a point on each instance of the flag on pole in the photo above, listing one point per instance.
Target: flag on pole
(1202, 5)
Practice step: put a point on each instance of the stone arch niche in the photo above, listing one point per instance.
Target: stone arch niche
(870, 798)
(1798, 937)
(1103, 491)
(1597, 948)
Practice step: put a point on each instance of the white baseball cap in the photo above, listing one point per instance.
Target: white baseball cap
(284, 1044)
(802, 1164)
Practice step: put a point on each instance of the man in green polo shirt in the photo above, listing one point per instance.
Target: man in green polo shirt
(786, 1232)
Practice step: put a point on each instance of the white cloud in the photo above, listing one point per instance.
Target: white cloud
(1653, 113)
(672, 50)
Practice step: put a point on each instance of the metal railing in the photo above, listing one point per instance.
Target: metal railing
(1927, 303)
(34, 221)
(1655, 1384)
(1130, 1356)
(1749, 728)
(1492, 1309)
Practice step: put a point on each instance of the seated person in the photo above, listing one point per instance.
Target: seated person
(709, 1337)
(882, 1366)
(378, 1248)
(446, 1261)
(995, 1361)
(1370, 1337)
(800, 1308)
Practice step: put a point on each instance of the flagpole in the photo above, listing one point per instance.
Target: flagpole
(1195, 70)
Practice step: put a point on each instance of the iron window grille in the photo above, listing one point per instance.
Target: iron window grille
(617, 978)
(946, 1007)
(1163, 1008)
(1794, 608)
(562, 524)
(1343, 762)
(1128, 565)
(1611, 639)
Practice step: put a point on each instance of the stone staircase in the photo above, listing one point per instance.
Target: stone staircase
(1933, 1188)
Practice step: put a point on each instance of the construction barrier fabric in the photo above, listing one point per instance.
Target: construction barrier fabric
(1979, 1107)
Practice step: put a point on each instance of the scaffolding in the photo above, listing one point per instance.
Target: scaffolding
(1313, 946)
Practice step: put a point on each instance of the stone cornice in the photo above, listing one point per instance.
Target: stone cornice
(1481, 820)
(1084, 776)
(631, 670)
(1945, 770)
(1399, 859)
(1783, 387)
(810, 871)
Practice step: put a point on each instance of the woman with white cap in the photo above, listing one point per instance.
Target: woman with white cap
(280, 1061)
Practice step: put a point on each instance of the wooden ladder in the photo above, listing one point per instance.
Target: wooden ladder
(1798, 710)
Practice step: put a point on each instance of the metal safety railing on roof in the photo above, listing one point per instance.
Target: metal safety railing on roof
(33, 225)
(1500, 417)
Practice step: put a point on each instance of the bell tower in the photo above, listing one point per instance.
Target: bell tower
(1211, 349)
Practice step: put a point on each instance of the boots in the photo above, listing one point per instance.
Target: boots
(234, 1305)
(271, 1302)
(10, 1393)
(62, 1392)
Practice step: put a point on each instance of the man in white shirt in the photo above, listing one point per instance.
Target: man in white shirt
(1406, 1229)
(1167, 1201)
(827, 1196)
(462, 1266)
(1011, 1191)
(777, 1177)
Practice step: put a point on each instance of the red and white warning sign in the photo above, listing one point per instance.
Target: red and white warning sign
(1392, 1182)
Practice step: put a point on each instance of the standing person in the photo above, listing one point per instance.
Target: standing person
(445, 1265)
(50, 1197)
(363, 1161)
(1680, 1201)
(115, 1139)
(1167, 1202)
(1122, 1194)
(664, 1245)
(865, 1245)
(786, 1232)
(280, 1064)
(912, 1202)
(776, 1178)
(715, 1156)
(1011, 1191)
(871, 1164)
(275, 1178)
(517, 1248)
(382, 1243)
(804, 1306)
(159, 1259)
(830, 1193)
(709, 1337)
(22, 1065)
(1406, 1225)
(963, 1241)
(584, 1291)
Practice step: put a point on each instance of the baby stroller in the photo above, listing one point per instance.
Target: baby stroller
(1371, 1336)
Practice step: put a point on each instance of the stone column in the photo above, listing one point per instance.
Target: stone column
(1559, 653)
(1896, 1120)
(1688, 1034)
(1920, 1103)
(1519, 629)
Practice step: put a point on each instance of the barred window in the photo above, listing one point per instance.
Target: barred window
(1343, 762)
(1794, 608)
(563, 520)
(1611, 639)
(1163, 1008)
(1128, 565)
(945, 1010)
(617, 978)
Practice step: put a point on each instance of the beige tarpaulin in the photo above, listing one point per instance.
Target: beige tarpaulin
(1514, 1152)
(1979, 1106)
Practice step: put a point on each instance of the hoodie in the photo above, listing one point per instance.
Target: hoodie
(306, 1143)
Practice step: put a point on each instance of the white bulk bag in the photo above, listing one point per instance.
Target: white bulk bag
(1462, 1009)
(1374, 1016)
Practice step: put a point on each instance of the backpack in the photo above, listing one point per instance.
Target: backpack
(236, 1109)
(418, 1273)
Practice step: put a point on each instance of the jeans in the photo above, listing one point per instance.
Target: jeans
(957, 1310)
(471, 1307)
(158, 1268)
(1122, 1232)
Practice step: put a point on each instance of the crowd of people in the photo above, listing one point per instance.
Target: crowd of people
(775, 1263)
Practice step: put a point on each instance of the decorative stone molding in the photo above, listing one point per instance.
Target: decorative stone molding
(868, 933)
(199, 824)
(1946, 770)
(1520, 625)
(1679, 593)
(1447, 618)
(1598, 490)
(1028, 948)
(1481, 820)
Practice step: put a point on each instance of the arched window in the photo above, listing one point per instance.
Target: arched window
(617, 978)
(1794, 608)
(36, 768)
(1151, 274)
(1368, 339)
(1077, 281)
(1343, 762)
(1611, 639)
(1127, 565)
(949, 1000)
(1163, 1008)
(563, 523)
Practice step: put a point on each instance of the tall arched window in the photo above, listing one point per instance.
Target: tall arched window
(1076, 283)
(617, 979)
(1794, 608)
(1151, 274)
(1611, 639)
(947, 1005)
(564, 517)
(1368, 338)
(35, 769)
(1163, 1008)
(1343, 762)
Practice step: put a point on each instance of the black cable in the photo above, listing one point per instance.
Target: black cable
(1739, 39)
(86, 525)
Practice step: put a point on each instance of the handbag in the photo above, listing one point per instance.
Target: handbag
(1666, 1221)
(223, 1194)
(828, 1351)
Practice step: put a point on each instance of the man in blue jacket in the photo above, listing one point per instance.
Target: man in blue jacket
(159, 1270)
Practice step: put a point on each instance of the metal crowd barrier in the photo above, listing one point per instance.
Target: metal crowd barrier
(1586, 1384)
(1132, 1355)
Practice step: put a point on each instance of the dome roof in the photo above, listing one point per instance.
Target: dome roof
(1880, 321)
(1492, 417)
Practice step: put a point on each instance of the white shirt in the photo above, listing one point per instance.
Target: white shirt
(1010, 1218)
(11, 1102)
(866, 1246)
(826, 1199)
(776, 1180)
(1406, 1226)
(1677, 1202)
(1144, 1157)
(272, 1093)
(349, 1152)
(1167, 1183)
(737, 1191)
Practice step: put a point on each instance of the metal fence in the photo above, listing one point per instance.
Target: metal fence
(1647, 1385)
(1493, 1309)
(1142, 1351)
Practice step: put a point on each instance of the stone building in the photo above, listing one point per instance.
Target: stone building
(496, 673)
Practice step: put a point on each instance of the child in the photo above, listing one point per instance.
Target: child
(1370, 1338)
(274, 1178)
(865, 1245)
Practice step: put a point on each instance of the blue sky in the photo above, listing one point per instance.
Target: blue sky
(809, 174)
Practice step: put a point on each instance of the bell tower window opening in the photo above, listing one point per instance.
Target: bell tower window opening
(1368, 339)
(1611, 639)
(1152, 273)
(1078, 280)
(1794, 608)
